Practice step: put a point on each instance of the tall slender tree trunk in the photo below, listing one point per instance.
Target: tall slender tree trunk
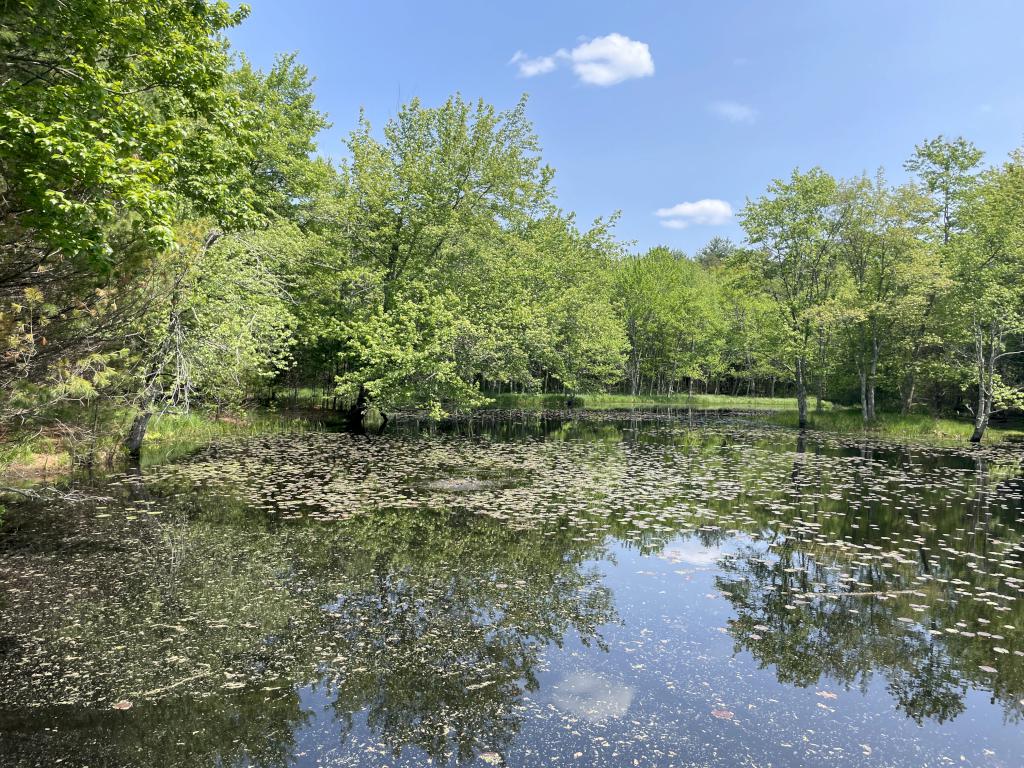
(872, 375)
(871, 400)
(907, 393)
(634, 358)
(863, 376)
(801, 392)
(986, 379)
(820, 393)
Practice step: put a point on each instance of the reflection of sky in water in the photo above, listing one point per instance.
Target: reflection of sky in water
(591, 696)
(673, 690)
(692, 552)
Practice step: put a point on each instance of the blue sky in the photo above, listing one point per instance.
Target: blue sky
(649, 106)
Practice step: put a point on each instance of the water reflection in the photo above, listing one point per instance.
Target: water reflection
(488, 590)
(592, 697)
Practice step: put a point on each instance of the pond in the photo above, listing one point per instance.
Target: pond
(610, 590)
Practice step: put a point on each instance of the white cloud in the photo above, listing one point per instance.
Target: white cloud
(529, 67)
(733, 111)
(708, 211)
(611, 59)
(604, 60)
(675, 223)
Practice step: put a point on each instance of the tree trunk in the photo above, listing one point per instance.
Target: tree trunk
(907, 392)
(801, 393)
(819, 404)
(986, 380)
(357, 411)
(872, 375)
(137, 433)
(862, 374)
(981, 415)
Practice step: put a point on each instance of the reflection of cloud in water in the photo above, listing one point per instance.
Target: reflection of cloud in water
(693, 553)
(592, 696)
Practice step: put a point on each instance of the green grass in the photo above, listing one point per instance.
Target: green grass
(894, 425)
(28, 458)
(171, 435)
(602, 401)
(781, 411)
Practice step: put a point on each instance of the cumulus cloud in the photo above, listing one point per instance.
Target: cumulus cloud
(529, 67)
(708, 211)
(611, 59)
(733, 111)
(602, 61)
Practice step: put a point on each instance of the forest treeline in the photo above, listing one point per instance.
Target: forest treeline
(172, 239)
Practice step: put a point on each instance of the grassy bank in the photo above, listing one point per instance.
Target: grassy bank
(920, 427)
(602, 401)
(781, 411)
(56, 451)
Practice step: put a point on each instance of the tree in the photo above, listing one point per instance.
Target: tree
(882, 248)
(753, 336)
(217, 311)
(989, 262)
(715, 253)
(795, 230)
(217, 320)
(441, 182)
(946, 172)
(113, 119)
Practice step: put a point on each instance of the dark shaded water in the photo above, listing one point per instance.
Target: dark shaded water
(662, 592)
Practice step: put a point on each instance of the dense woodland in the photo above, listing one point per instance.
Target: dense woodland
(171, 239)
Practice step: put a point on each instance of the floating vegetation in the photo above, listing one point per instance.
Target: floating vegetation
(671, 591)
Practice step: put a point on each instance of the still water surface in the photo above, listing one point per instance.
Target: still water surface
(612, 591)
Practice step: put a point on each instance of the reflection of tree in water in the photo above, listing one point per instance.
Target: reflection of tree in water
(441, 622)
(808, 639)
(426, 626)
(255, 728)
(921, 619)
(784, 620)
